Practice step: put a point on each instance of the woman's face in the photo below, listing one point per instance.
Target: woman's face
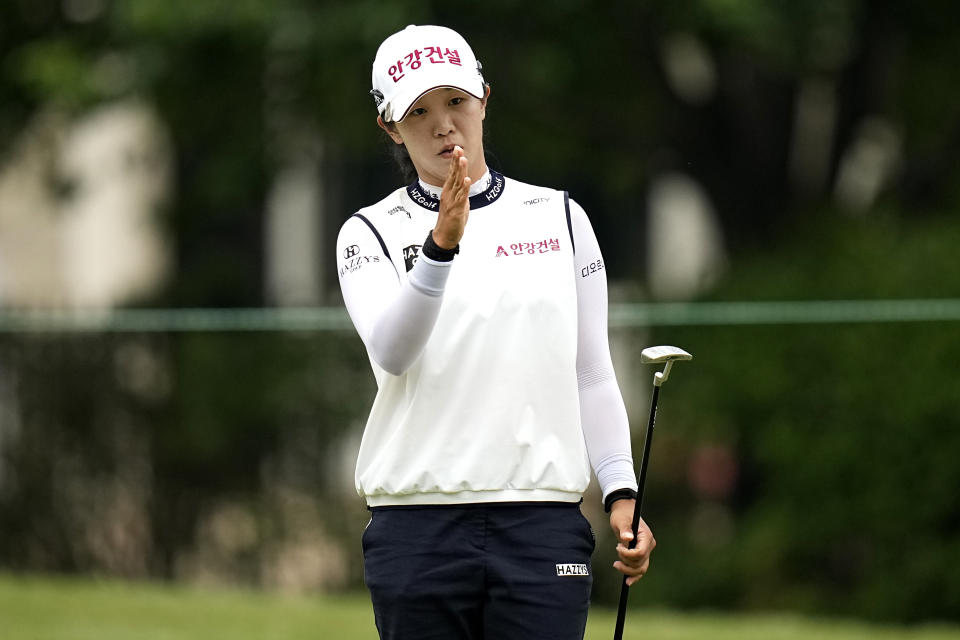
(437, 121)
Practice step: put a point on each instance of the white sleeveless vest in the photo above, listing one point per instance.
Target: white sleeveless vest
(490, 411)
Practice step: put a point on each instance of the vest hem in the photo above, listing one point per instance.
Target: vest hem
(474, 497)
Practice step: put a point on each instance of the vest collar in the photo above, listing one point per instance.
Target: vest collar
(430, 202)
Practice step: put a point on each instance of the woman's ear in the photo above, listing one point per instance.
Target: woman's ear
(391, 130)
(483, 103)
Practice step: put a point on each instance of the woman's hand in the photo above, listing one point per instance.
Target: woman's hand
(635, 562)
(454, 203)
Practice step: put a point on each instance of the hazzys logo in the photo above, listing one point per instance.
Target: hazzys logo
(410, 255)
(354, 263)
(572, 569)
(350, 251)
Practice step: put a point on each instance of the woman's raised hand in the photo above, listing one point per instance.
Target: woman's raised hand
(454, 203)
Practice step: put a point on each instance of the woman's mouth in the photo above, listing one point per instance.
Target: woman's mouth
(447, 152)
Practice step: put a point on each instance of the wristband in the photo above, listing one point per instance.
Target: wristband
(619, 494)
(435, 252)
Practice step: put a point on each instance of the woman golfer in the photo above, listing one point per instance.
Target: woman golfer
(482, 302)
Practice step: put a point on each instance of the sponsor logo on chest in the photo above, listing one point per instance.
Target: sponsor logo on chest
(536, 201)
(399, 209)
(410, 255)
(534, 247)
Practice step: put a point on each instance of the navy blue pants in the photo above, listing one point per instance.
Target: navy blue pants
(479, 572)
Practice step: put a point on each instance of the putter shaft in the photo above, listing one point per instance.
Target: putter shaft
(637, 507)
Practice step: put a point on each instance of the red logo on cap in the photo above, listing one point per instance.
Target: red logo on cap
(433, 55)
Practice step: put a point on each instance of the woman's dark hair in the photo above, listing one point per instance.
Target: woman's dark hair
(401, 157)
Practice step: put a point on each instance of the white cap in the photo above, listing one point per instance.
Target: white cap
(420, 59)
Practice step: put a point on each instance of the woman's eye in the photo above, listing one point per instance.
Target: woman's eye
(456, 100)
(419, 111)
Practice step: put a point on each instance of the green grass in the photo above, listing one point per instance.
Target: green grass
(67, 609)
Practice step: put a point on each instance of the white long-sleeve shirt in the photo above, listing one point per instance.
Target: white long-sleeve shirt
(494, 371)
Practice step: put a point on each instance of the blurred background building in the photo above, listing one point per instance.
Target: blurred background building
(81, 202)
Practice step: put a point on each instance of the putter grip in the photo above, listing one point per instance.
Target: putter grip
(636, 521)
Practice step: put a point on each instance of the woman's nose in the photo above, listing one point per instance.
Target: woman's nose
(443, 126)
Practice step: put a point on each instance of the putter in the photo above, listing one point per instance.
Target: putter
(650, 355)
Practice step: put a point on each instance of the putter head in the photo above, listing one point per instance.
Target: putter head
(667, 354)
(656, 355)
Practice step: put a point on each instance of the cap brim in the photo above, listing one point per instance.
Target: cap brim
(406, 102)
